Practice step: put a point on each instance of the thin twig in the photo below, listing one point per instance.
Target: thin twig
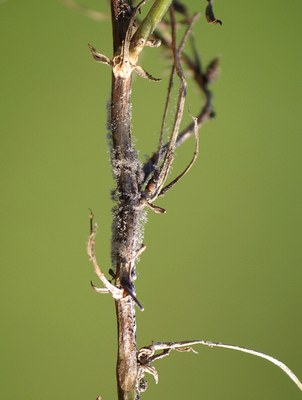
(160, 174)
(187, 169)
(170, 85)
(206, 111)
(164, 118)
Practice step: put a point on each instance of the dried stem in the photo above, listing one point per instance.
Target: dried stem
(129, 211)
(201, 79)
(138, 186)
(127, 216)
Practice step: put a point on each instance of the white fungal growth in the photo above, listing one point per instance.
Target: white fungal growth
(120, 165)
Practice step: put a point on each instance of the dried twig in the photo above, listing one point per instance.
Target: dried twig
(187, 169)
(147, 355)
(109, 288)
(88, 12)
(155, 186)
(206, 112)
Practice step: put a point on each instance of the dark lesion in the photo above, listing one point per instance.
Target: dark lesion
(127, 281)
(128, 285)
(128, 276)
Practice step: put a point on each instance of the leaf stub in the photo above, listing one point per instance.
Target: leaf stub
(99, 57)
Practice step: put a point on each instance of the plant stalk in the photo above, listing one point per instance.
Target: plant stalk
(127, 216)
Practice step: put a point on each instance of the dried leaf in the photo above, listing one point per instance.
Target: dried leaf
(212, 71)
(153, 43)
(210, 14)
(144, 74)
(99, 57)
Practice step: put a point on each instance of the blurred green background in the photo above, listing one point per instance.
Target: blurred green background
(223, 264)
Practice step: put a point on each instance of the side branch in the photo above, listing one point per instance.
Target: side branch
(147, 355)
(148, 25)
(163, 159)
(202, 79)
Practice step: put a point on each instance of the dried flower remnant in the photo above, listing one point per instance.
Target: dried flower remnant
(212, 71)
(210, 14)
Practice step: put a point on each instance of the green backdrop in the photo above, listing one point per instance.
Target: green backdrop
(223, 264)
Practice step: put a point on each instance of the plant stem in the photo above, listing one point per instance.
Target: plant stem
(127, 216)
(152, 19)
(120, 22)
(125, 229)
(154, 16)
